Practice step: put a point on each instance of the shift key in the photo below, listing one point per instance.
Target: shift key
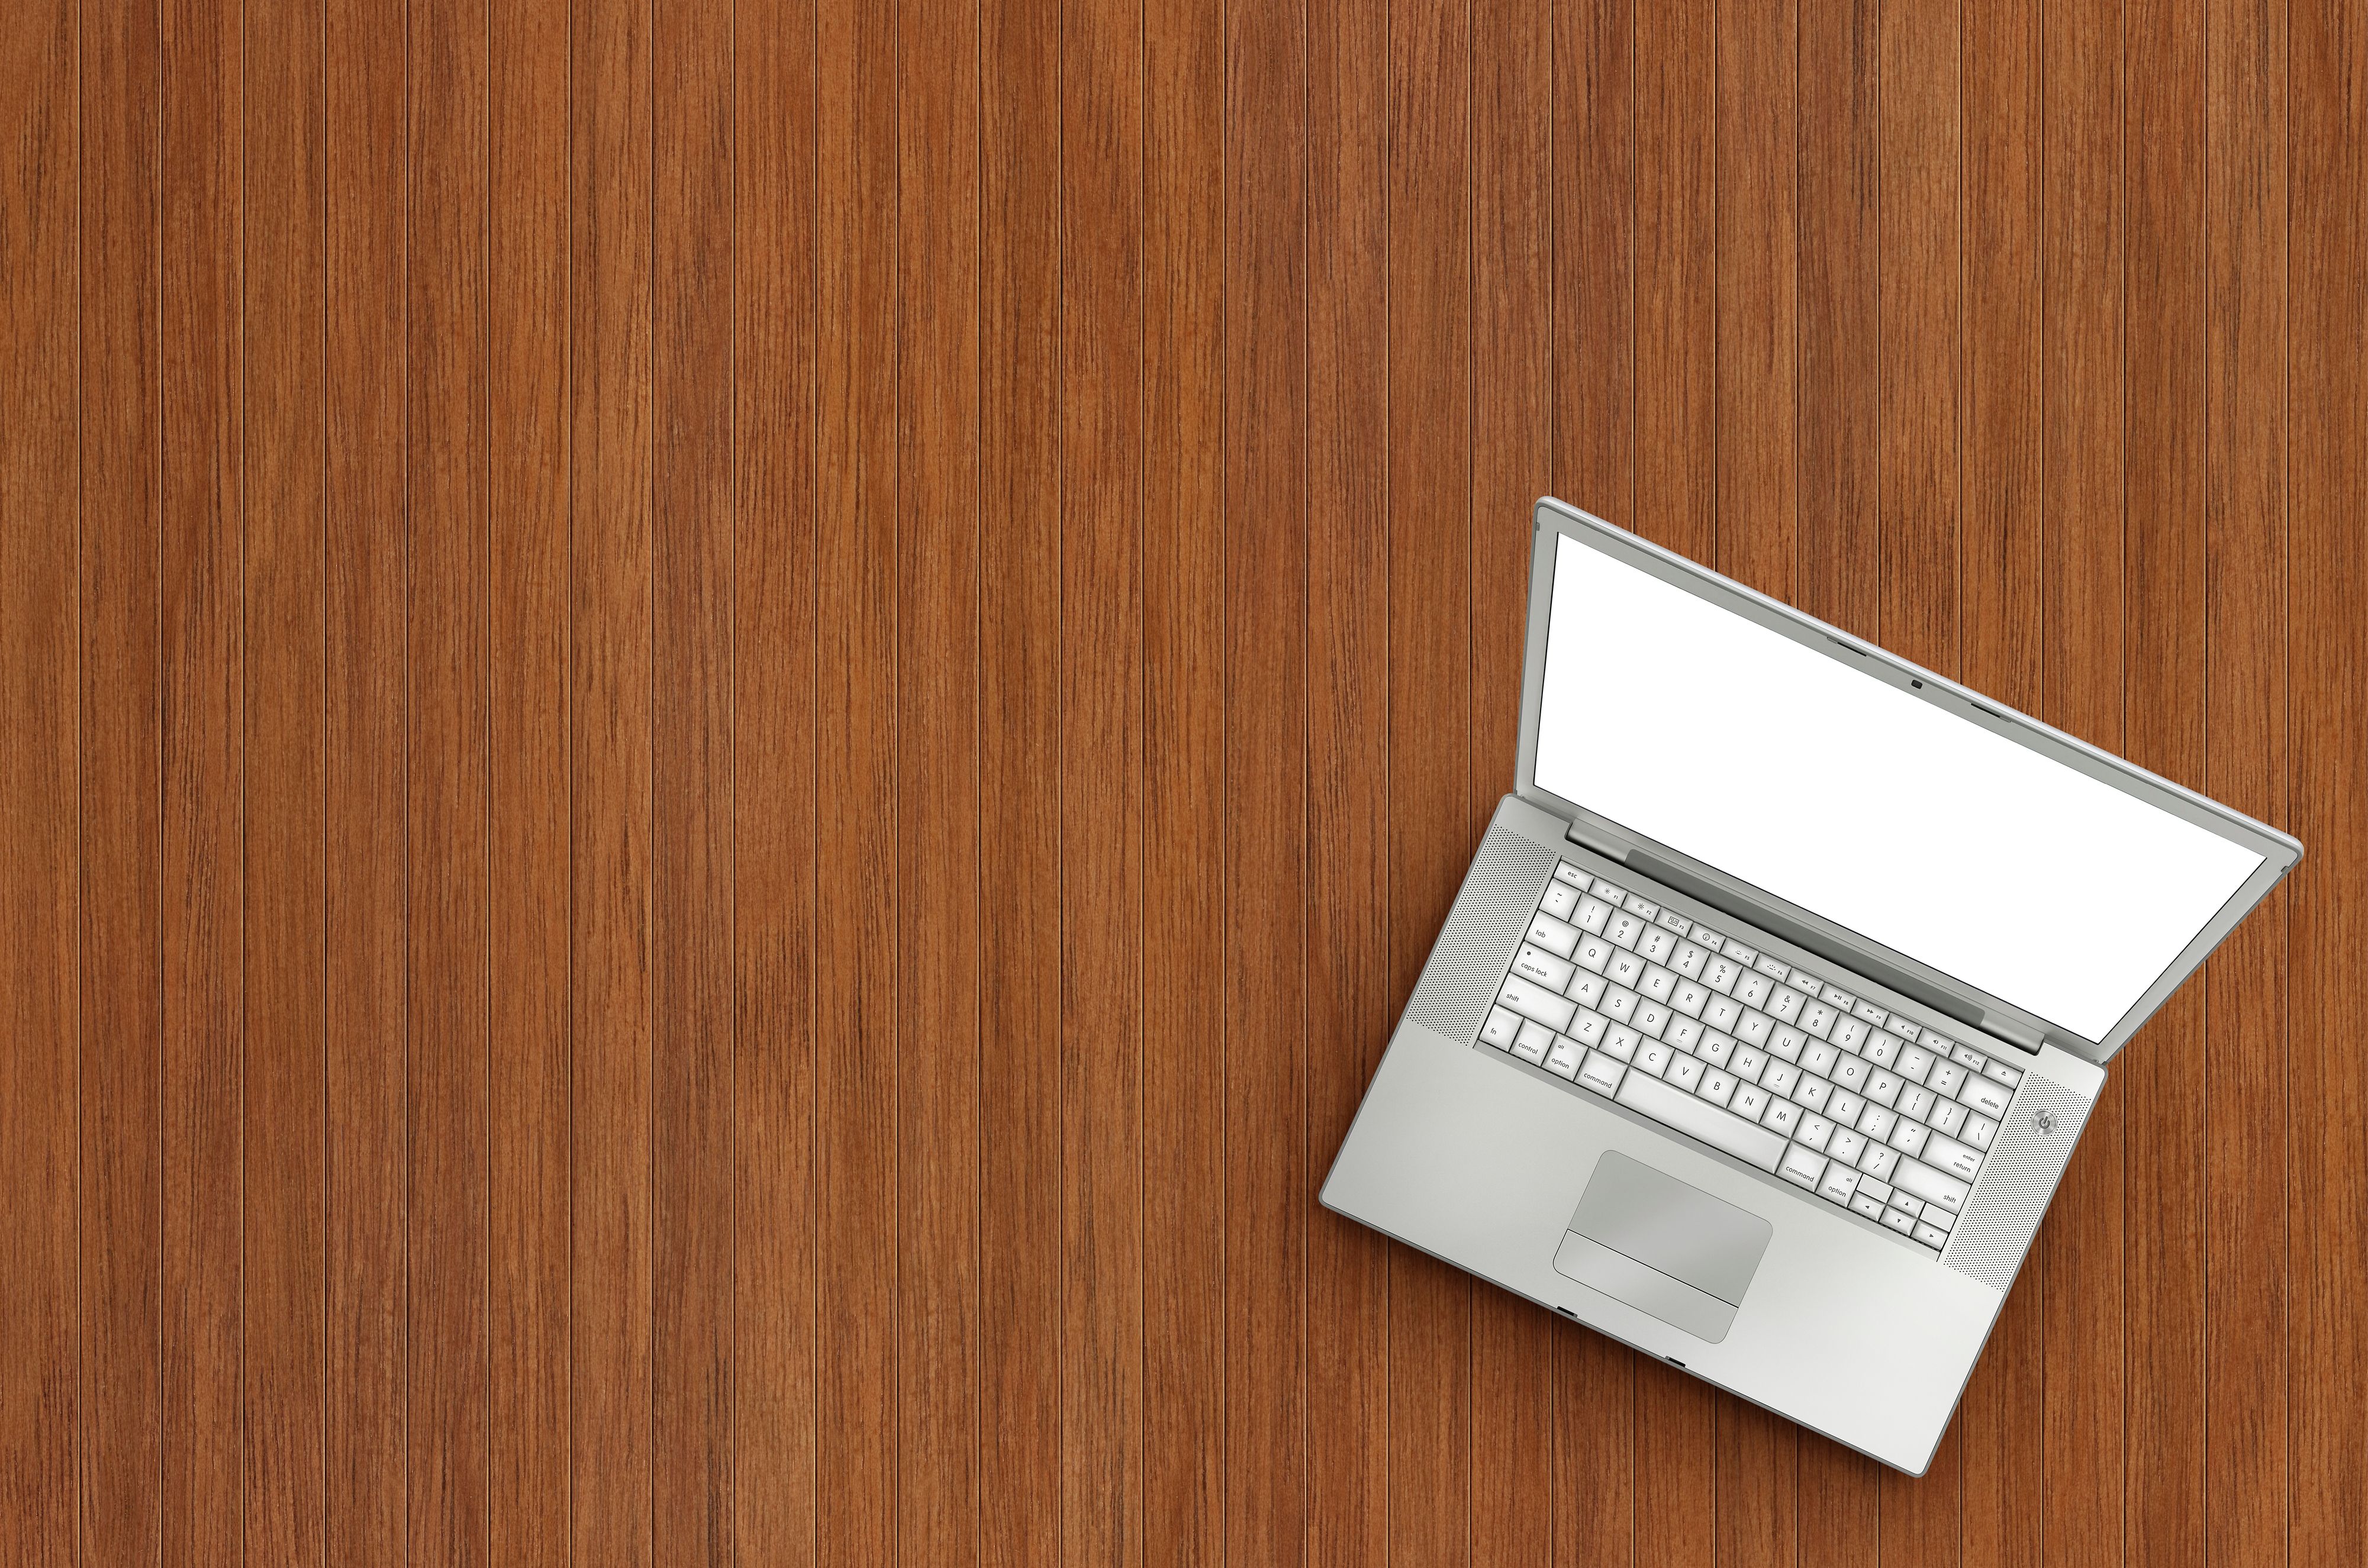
(1532, 1000)
(1721, 1129)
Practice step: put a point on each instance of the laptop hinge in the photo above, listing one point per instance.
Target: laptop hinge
(2014, 1031)
(1607, 848)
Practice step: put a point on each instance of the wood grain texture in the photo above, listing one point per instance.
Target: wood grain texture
(727, 729)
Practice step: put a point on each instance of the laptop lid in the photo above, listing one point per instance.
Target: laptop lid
(1965, 855)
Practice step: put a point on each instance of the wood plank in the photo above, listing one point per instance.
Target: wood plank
(201, 198)
(1999, 523)
(776, 1440)
(447, 782)
(1019, 852)
(693, 1045)
(286, 1127)
(936, 621)
(2244, 1489)
(1348, 1015)
(1429, 810)
(1512, 401)
(1757, 1459)
(2081, 465)
(365, 783)
(40, 779)
(610, 441)
(857, 1039)
(121, 1206)
(2328, 465)
(1919, 480)
(2163, 1076)
(529, 634)
(1593, 439)
(1106, 984)
(1184, 786)
(1840, 571)
(1265, 880)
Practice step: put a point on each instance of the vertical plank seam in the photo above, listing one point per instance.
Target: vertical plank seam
(327, 1144)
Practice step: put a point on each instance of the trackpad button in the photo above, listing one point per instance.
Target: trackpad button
(1663, 1246)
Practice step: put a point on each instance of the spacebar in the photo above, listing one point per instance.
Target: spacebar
(1722, 1129)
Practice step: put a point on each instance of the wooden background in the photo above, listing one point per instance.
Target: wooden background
(728, 729)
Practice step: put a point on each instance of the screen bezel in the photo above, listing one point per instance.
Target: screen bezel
(1556, 520)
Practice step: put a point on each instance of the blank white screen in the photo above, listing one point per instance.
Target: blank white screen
(1783, 768)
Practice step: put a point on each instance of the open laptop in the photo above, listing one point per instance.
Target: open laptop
(1778, 994)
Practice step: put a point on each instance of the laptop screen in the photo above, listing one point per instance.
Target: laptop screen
(1919, 830)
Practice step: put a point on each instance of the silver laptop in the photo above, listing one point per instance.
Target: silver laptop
(1778, 994)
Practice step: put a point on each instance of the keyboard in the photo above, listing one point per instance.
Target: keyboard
(1758, 1059)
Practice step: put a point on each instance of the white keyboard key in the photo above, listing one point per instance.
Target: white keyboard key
(1592, 912)
(1619, 1003)
(1592, 954)
(1561, 899)
(1567, 872)
(1683, 1033)
(1610, 891)
(1566, 1056)
(1846, 1146)
(1752, 989)
(1755, 1028)
(1656, 945)
(1622, 929)
(1835, 996)
(1861, 1203)
(1845, 1107)
(1884, 1087)
(1534, 963)
(1867, 1010)
(1839, 1184)
(1819, 1057)
(1851, 1072)
(1939, 1218)
(1671, 921)
(1746, 1064)
(1654, 1059)
(1502, 1026)
(1711, 940)
(1778, 1077)
(1689, 961)
(1908, 1137)
(1940, 1048)
(2000, 1073)
(1803, 1167)
(1850, 1034)
(1932, 1235)
(1649, 1019)
(1785, 1005)
(1553, 934)
(1745, 956)
(1945, 1079)
(1533, 1043)
(1877, 1163)
(1626, 968)
(1914, 1063)
(1985, 1097)
(1812, 1132)
(1722, 1013)
(1818, 1019)
(1532, 1000)
(1783, 1039)
(1642, 907)
(1720, 1129)
(1916, 1102)
(1716, 1086)
(1749, 1100)
(1882, 1049)
(1602, 1073)
(1892, 1219)
(1979, 1130)
(1589, 1027)
(1966, 1057)
(1621, 1041)
(1947, 1117)
(1922, 1181)
(1870, 1185)
(1782, 1116)
(1688, 998)
(1907, 1204)
(1660, 985)
(1586, 989)
(1685, 1071)
(1877, 1121)
(1715, 1049)
(1721, 973)
(1951, 1158)
(1811, 1091)
(1902, 1027)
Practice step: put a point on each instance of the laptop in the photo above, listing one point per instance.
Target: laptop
(1778, 994)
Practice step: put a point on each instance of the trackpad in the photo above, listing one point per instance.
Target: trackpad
(1663, 1246)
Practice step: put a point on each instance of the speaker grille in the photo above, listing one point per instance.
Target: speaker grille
(2016, 1182)
(1499, 894)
